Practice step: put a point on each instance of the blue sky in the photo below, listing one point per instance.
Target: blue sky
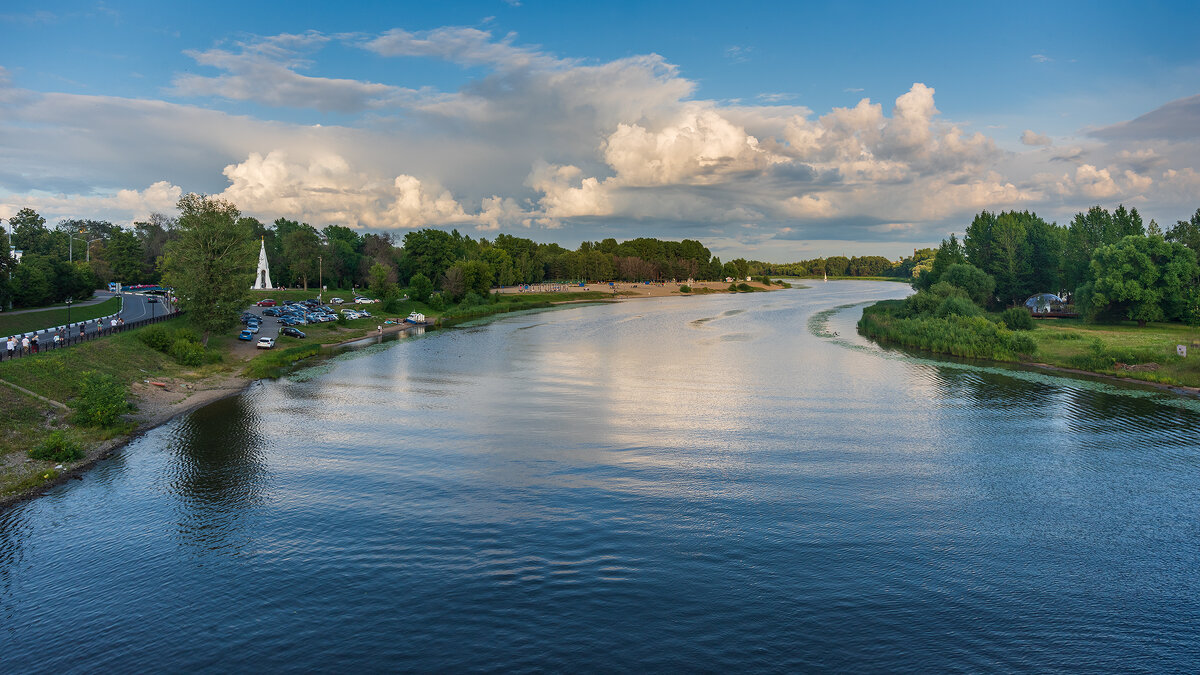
(775, 130)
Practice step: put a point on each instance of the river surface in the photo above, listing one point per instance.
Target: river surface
(721, 483)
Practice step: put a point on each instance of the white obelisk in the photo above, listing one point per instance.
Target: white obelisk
(262, 278)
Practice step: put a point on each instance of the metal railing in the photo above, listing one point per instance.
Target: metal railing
(82, 331)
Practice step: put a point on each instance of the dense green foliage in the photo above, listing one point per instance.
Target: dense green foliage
(57, 447)
(101, 401)
(1017, 318)
(181, 344)
(211, 263)
(841, 266)
(969, 336)
(1109, 264)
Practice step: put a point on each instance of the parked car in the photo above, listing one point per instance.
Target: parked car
(246, 335)
(364, 314)
(266, 303)
(151, 298)
(294, 332)
(266, 342)
(362, 300)
(271, 311)
(253, 328)
(336, 301)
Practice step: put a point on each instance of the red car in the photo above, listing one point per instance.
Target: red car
(265, 303)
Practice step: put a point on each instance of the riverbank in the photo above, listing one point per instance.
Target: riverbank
(1120, 352)
(161, 389)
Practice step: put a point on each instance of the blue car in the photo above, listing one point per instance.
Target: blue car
(246, 335)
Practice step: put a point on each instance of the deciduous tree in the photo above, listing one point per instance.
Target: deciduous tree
(211, 265)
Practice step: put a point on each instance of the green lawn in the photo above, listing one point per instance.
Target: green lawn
(12, 324)
(1073, 343)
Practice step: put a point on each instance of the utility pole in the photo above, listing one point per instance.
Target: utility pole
(320, 280)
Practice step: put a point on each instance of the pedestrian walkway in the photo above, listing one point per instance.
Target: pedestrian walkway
(32, 344)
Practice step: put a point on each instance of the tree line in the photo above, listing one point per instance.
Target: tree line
(1110, 264)
(74, 257)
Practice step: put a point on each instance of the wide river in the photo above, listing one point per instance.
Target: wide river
(721, 483)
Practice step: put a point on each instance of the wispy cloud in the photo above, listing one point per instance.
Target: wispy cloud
(853, 90)
(738, 53)
(776, 97)
(1041, 58)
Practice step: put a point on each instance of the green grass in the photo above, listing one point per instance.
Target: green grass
(55, 374)
(1073, 343)
(12, 324)
(1064, 343)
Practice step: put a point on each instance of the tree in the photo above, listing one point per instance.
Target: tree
(211, 265)
(948, 254)
(1141, 278)
(301, 247)
(421, 287)
(977, 283)
(1187, 232)
(381, 283)
(1010, 260)
(124, 255)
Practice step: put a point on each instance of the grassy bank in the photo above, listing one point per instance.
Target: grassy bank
(966, 336)
(1120, 350)
(25, 322)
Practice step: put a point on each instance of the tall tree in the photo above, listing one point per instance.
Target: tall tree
(1141, 278)
(211, 264)
(301, 248)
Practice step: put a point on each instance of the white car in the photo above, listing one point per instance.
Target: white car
(336, 301)
(363, 301)
(266, 342)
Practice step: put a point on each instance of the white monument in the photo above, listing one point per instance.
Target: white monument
(262, 278)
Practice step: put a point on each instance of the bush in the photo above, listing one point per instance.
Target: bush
(57, 448)
(744, 287)
(971, 336)
(733, 288)
(101, 401)
(187, 353)
(473, 299)
(156, 337)
(957, 306)
(437, 302)
(1017, 319)
(685, 289)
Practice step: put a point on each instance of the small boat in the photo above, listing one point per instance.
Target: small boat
(415, 317)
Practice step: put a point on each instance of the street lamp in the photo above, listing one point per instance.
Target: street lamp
(89, 247)
(321, 280)
(69, 301)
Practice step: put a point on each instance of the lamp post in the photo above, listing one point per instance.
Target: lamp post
(89, 247)
(321, 280)
(69, 301)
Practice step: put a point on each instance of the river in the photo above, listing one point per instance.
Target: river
(733, 482)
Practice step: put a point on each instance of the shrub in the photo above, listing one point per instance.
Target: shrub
(685, 289)
(57, 448)
(957, 306)
(1017, 319)
(437, 302)
(101, 401)
(187, 353)
(156, 337)
(744, 287)
(473, 299)
(733, 288)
